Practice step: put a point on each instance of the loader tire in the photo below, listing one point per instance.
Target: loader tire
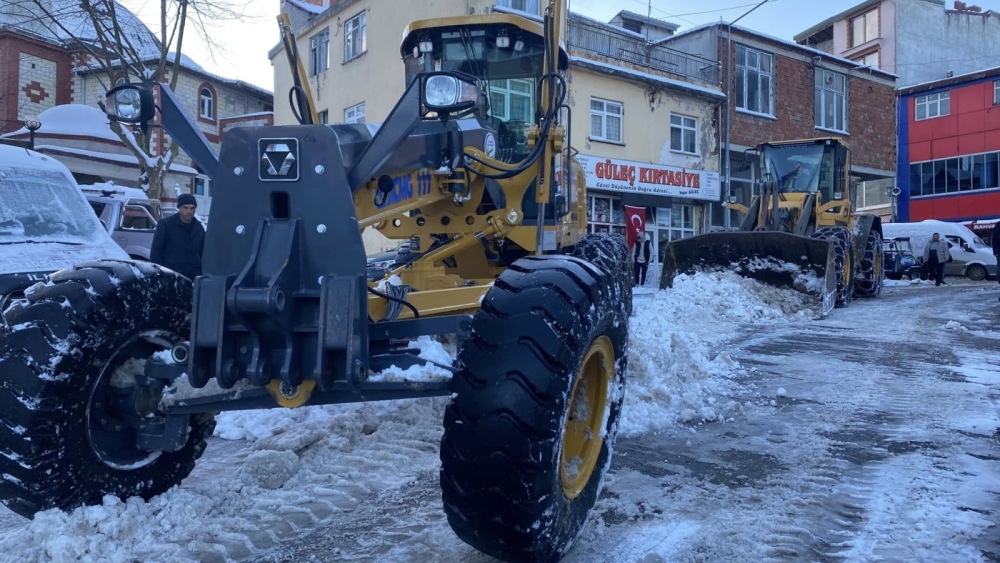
(843, 248)
(610, 252)
(61, 445)
(547, 335)
(871, 270)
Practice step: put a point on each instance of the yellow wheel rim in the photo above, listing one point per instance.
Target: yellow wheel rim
(582, 437)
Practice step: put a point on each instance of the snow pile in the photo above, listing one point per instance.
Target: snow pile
(905, 283)
(956, 326)
(674, 376)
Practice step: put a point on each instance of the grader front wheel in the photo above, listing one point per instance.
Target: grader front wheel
(531, 426)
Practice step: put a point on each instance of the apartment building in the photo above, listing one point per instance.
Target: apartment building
(949, 158)
(643, 117)
(779, 90)
(917, 40)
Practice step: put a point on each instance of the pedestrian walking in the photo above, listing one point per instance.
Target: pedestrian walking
(179, 240)
(936, 254)
(643, 254)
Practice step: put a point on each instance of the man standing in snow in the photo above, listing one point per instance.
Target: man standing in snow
(643, 253)
(936, 253)
(179, 240)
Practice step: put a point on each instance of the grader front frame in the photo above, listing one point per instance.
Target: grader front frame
(283, 315)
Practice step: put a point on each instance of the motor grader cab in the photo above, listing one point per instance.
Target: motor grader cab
(115, 369)
(800, 229)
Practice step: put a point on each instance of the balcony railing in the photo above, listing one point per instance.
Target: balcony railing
(620, 47)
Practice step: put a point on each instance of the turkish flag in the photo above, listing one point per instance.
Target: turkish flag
(635, 223)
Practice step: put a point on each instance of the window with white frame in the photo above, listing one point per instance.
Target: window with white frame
(996, 93)
(529, 6)
(512, 100)
(207, 103)
(605, 120)
(933, 105)
(355, 37)
(754, 80)
(831, 100)
(683, 134)
(355, 114)
(319, 52)
(324, 116)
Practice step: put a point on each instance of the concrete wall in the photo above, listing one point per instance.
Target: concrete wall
(933, 41)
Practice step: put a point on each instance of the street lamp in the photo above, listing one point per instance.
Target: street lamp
(32, 124)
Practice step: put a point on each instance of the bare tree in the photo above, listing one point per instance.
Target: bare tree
(108, 38)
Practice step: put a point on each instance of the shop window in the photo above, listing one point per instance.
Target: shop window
(605, 215)
(933, 105)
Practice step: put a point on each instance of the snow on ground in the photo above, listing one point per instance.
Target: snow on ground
(312, 463)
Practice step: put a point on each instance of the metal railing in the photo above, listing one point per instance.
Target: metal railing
(620, 47)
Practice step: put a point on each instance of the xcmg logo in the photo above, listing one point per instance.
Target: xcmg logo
(403, 187)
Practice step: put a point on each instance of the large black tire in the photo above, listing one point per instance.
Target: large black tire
(610, 252)
(871, 270)
(843, 248)
(55, 367)
(503, 443)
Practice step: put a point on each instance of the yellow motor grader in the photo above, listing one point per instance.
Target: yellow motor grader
(285, 316)
(800, 229)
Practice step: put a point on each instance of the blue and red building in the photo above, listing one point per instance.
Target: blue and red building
(949, 149)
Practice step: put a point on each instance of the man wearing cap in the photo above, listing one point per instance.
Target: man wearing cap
(179, 240)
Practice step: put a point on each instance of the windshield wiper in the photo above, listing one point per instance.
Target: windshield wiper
(42, 242)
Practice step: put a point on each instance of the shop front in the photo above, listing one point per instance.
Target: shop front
(675, 201)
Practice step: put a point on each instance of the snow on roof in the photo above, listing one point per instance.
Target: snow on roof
(126, 159)
(653, 22)
(72, 119)
(784, 42)
(680, 84)
(74, 24)
(312, 9)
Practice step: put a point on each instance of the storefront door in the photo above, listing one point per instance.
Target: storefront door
(666, 224)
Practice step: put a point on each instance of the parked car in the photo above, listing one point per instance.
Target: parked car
(971, 257)
(46, 223)
(899, 259)
(129, 216)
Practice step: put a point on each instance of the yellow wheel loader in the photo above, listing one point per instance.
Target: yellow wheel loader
(490, 198)
(800, 229)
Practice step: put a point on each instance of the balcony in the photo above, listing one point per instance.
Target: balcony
(603, 42)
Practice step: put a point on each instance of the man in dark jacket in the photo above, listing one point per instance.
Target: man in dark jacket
(179, 240)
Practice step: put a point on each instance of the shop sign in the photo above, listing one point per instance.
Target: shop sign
(653, 179)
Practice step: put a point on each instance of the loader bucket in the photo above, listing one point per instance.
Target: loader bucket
(773, 257)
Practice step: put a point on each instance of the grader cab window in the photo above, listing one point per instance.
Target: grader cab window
(508, 61)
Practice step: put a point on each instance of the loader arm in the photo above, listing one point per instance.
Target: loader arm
(301, 92)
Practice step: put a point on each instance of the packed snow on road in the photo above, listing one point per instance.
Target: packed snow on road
(752, 431)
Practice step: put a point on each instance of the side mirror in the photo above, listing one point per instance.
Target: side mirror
(130, 103)
(447, 93)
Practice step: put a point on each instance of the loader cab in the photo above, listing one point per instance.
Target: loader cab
(807, 167)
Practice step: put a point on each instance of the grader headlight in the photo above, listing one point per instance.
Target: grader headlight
(130, 103)
(447, 92)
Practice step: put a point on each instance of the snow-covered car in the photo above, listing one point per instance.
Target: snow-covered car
(46, 223)
(129, 215)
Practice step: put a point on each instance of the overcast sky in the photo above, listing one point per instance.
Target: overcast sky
(246, 43)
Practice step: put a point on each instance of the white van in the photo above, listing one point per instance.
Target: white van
(972, 258)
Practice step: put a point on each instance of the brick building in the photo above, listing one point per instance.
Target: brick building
(949, 158)
(42, 66)
(779, 90)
